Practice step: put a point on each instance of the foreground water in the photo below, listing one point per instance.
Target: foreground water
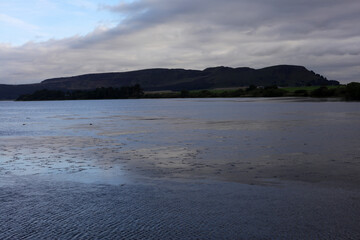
(183, 168)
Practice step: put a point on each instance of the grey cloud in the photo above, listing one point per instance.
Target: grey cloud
(245, 13)
(322, 35)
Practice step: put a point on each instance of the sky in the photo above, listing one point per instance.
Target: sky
(43, 39)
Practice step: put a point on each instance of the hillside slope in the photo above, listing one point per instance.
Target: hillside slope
(177, 79)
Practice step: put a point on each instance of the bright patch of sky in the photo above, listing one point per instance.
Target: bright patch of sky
(23, 21)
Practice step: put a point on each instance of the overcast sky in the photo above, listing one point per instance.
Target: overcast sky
(43, 39)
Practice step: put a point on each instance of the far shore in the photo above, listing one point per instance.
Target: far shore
(349, 92)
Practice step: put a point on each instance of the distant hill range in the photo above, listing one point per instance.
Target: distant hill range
(177, 79)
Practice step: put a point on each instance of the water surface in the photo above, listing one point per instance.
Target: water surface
(180, 169)
(243, 140)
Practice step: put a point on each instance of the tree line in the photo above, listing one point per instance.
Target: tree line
(99, 93)
(350, 91)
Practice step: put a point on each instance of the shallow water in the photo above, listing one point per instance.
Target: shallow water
(241, 140)
(180, 168)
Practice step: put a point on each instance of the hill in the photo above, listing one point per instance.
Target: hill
(177, 79)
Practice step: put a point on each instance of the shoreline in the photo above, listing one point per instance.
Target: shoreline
(348, 92)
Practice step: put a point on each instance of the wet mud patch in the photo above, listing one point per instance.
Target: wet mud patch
(63, 154)
(110, 158)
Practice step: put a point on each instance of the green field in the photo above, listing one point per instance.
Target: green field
(309, 88)
(272, 91)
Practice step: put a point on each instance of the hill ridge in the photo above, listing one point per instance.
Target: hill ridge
(176, 79)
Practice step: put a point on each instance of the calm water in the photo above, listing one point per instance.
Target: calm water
(180, 169)
(181, 138)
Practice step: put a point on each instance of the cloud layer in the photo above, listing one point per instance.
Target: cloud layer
(321, 35)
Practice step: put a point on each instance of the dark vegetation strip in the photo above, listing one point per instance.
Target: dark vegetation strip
(350, 92)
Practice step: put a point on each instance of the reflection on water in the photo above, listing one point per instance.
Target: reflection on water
(242, 140)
